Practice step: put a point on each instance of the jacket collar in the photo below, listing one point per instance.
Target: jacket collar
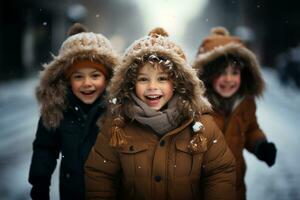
(180, 128)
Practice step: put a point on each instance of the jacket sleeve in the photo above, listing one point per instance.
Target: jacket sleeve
(218, 175)
(44, 157)
(102, 169)
(254, 135)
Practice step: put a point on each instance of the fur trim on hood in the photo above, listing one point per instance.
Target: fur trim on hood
(157, 43)
(219, 44)
(52, 89)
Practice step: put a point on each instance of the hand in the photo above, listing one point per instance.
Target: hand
(267, 152)
(40, 192)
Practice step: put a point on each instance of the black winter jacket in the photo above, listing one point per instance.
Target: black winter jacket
(73, 140)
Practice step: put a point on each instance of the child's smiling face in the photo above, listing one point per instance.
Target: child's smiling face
(153, 86)
(228, 82)
(88, 84)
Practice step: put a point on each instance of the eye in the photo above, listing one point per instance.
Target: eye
(77, 76)
(223, 73)
(142, 79)
(163, 78)
(236, 72)
(96, 75)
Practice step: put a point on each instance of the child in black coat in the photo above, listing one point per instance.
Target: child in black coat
(71, 93)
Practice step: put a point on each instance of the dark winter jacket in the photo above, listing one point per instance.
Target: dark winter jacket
(73, 139)
(67, 126)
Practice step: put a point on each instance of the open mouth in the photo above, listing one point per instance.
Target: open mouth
(153, 100)
(88, 92)
(153, 97)
(227, 87)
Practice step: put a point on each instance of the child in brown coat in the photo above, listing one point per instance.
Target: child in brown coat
(233, 79)
(158, 142)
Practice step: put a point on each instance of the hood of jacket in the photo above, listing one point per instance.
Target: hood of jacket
(220, 43)
(158, 43)
(51, 91)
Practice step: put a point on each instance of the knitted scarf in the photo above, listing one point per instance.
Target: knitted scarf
(161, 121)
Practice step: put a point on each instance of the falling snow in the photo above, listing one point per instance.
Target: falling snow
(278, 114)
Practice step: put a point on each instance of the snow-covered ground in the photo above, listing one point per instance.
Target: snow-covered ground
(18, 121)
(278, 115)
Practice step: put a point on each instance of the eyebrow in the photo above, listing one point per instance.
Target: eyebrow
(140, 73)
(94, 70)
(77, 72)
(160, 73)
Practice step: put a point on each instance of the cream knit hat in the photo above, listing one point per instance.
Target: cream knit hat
(157, 42)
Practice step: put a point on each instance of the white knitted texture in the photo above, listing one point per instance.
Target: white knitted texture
(152, 44)
(85, 41)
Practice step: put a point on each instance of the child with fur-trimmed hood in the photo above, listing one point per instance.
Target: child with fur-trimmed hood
(71, 94)
(233, 79)
(158, 142)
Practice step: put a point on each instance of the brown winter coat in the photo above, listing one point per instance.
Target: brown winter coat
(130, 161)
(240, 128)
(241, 131)
(161, 168)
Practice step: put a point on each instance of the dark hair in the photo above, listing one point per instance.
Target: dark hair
(217, 66)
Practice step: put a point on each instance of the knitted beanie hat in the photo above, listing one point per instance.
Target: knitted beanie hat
(83, 45)
(220, 43)
(79, 46)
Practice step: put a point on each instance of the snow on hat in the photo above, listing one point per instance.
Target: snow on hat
(156, 43)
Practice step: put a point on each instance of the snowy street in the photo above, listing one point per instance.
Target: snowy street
(278, 115)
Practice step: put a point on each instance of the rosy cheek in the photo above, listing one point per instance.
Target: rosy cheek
(239, 80)
(74, 87)
(215, 82)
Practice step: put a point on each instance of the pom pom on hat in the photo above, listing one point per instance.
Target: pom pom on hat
(158, 31)
(220, 31)
(219, 37)
(76, 28)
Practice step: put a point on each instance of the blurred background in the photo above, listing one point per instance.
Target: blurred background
(32, 30)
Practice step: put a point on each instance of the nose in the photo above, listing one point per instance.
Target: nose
(87, 81)
(152, 85)
(228, 77)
